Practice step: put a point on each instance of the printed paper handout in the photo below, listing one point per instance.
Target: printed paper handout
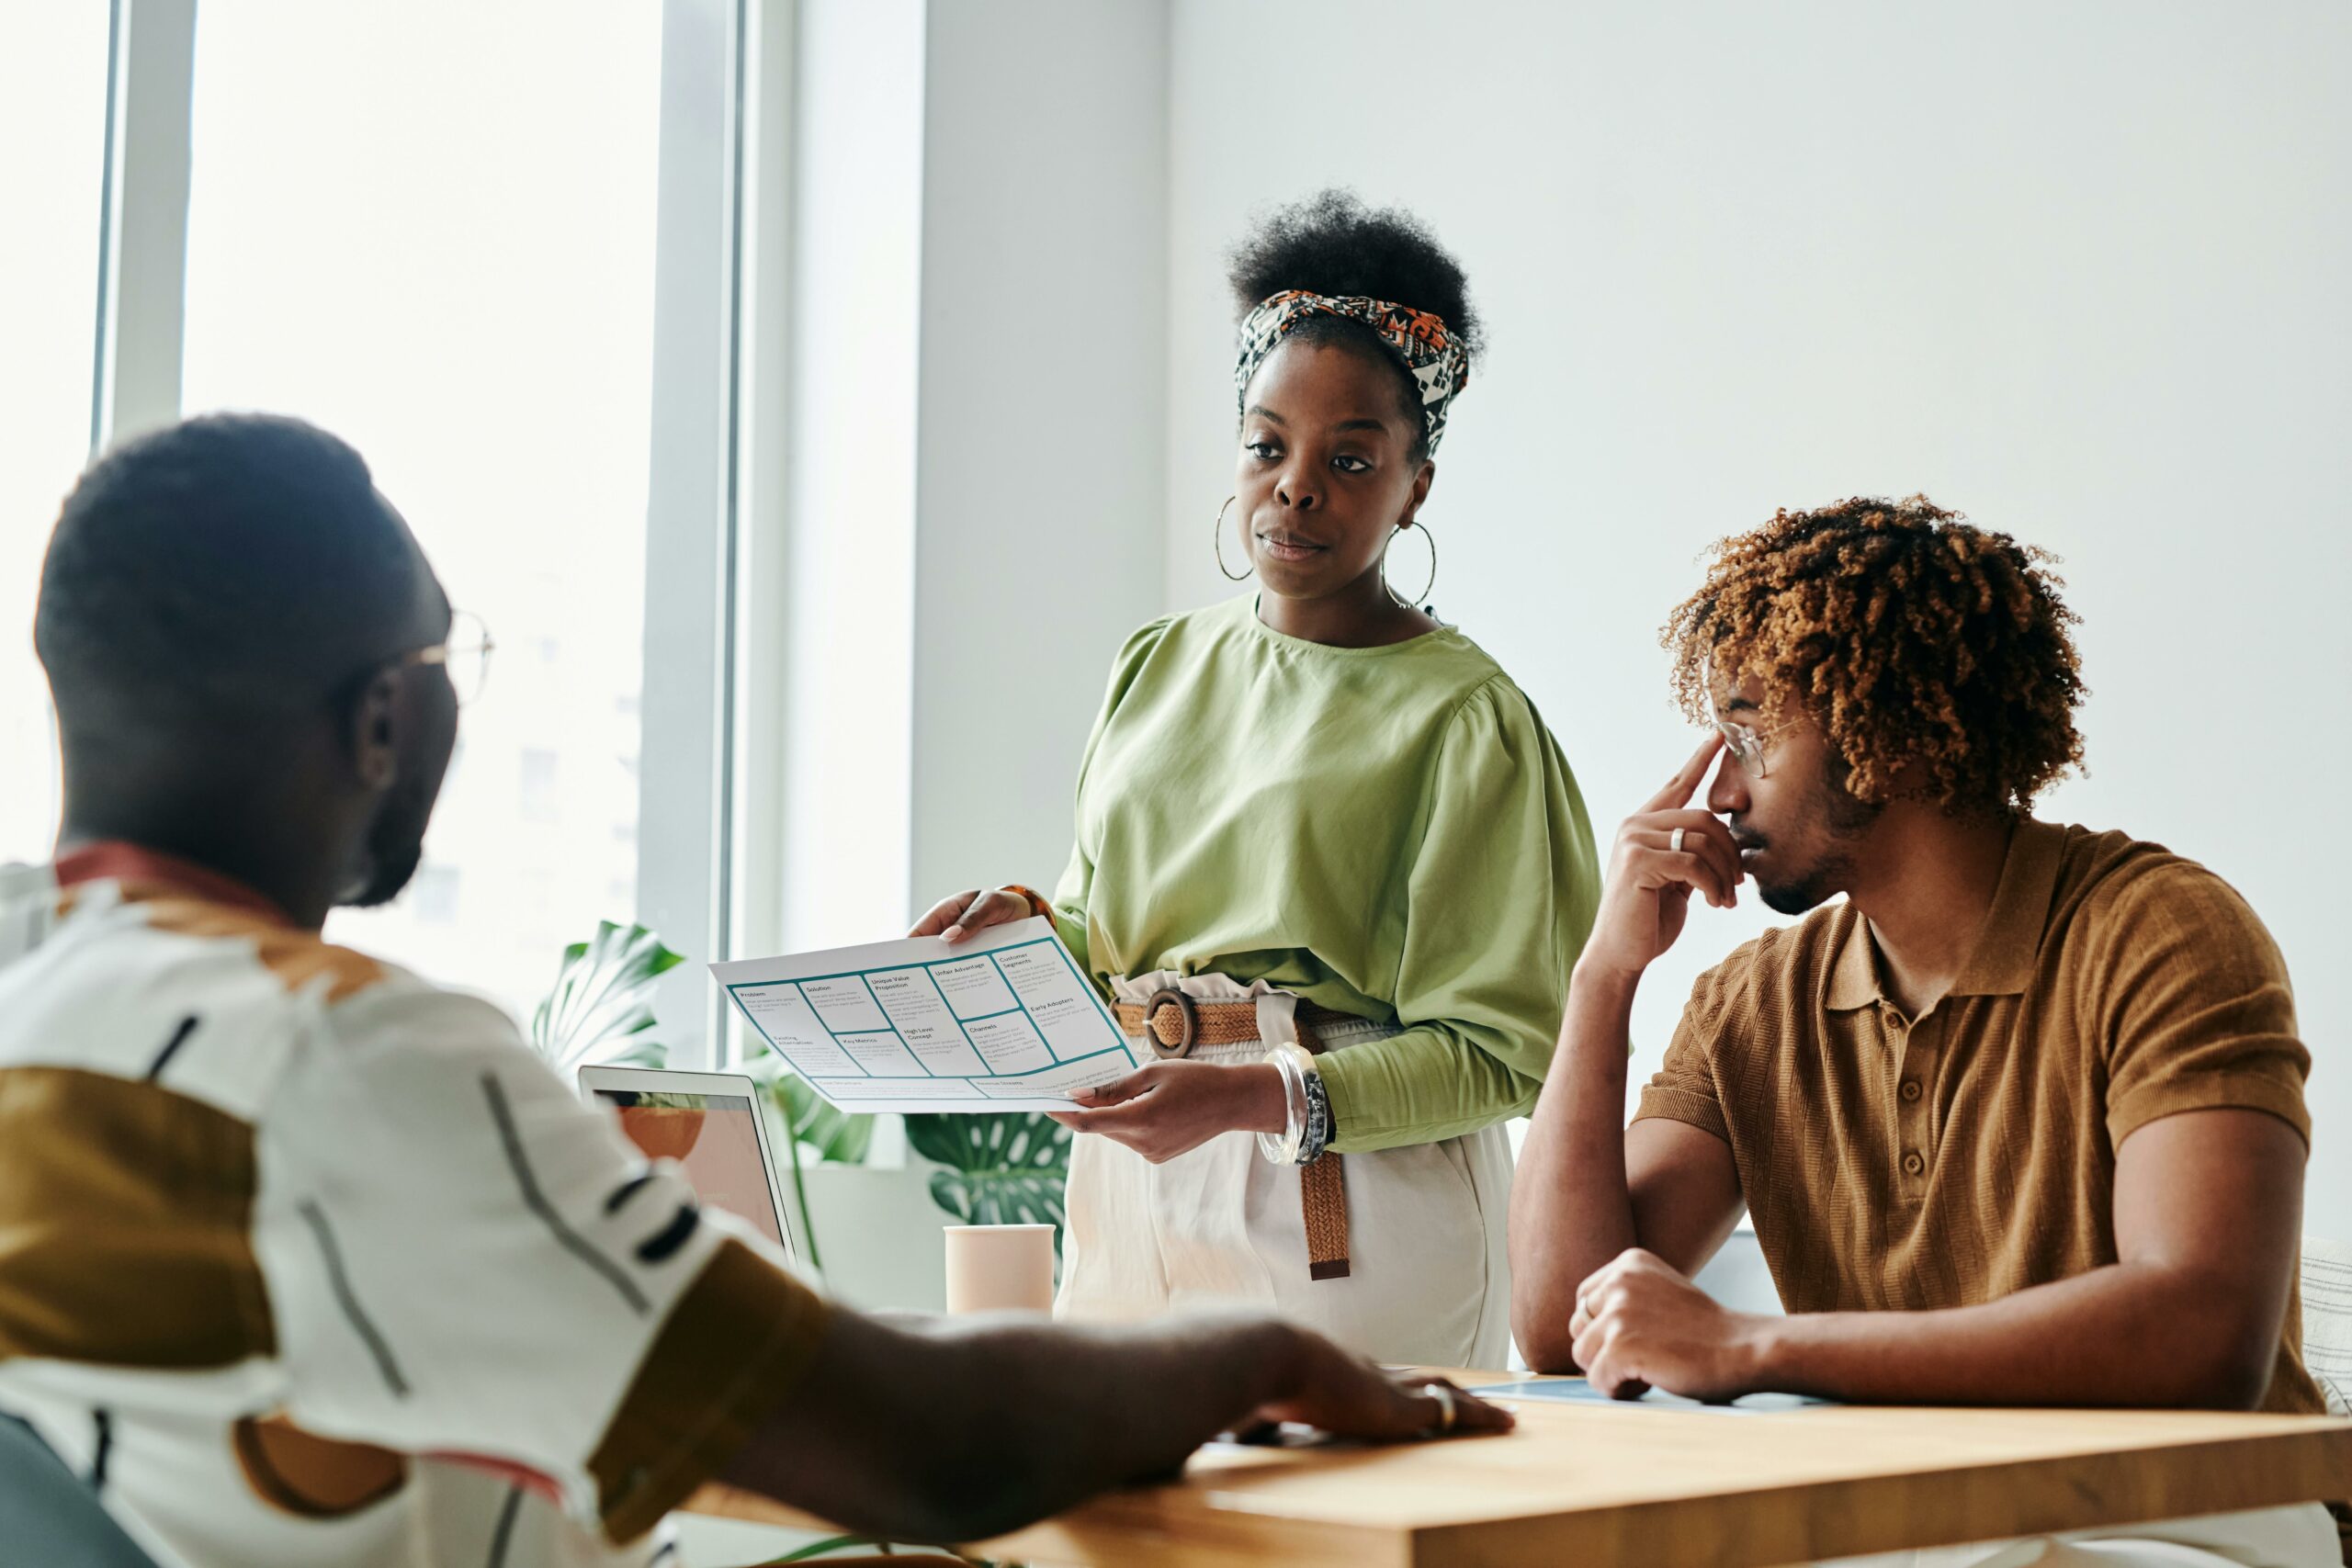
(1575, 1391)
(1002, 1021)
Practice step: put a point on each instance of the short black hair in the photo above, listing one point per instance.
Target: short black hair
(1332, 244)
(227, 569)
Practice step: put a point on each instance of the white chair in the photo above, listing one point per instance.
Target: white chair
(2327, 1319)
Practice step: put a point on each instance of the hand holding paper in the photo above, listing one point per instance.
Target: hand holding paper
(1172, 1108)
(1002, 1021)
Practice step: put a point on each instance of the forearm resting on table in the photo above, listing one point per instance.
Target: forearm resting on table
(2208, 1210)
(959, 1430)
(2144, 1334)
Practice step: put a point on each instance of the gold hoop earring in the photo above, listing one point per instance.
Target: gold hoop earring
(1216, 543)
(1422, 598)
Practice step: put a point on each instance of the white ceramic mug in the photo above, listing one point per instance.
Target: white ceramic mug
(999, 1268)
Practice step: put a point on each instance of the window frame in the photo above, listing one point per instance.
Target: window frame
(693, 791)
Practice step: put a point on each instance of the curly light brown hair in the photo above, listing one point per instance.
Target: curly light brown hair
(1911, 636)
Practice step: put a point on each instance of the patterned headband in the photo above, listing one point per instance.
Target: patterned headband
(1438, 363)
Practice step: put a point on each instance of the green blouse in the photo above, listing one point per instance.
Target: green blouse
(1387, 831)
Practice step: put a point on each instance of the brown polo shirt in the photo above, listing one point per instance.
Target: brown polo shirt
(1893, 1164)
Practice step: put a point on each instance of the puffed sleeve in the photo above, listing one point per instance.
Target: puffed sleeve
(1500, 898)
(1072, 893)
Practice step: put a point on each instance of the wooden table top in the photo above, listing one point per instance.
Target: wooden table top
(1607, 1487)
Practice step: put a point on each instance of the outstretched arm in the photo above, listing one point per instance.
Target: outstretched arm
(963, 1429)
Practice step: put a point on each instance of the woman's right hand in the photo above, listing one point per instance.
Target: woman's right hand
(958, 915)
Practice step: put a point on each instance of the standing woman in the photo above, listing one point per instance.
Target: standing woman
(1329, 861)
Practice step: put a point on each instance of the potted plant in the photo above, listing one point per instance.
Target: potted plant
(600, 1010)
(814, 1131)
(996, 1168)
(991, 1168)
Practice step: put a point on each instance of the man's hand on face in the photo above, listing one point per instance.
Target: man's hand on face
(1640, 1325)
(1646, 892)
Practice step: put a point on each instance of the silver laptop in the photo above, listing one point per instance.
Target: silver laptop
(710, 1124)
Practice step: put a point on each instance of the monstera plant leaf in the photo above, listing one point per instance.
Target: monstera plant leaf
(1003, 1167)
(825, 1129)
(601, 1010)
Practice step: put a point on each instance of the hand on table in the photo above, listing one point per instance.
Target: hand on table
(1350, 1397)
(1640, 1325)
(1172, 1108)
(1645, 893)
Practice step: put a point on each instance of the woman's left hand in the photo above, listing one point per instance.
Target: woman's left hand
(1172, 1108)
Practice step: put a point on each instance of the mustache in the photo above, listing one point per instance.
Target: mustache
(1746, 838)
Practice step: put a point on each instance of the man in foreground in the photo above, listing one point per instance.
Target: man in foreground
(2020, 1121)
(303, 1261)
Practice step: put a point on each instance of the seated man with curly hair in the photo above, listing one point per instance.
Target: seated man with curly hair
(2019, 1121)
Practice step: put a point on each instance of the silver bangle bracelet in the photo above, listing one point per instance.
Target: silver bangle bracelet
(1296, 1068)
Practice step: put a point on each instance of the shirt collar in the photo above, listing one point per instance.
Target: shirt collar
(2003, 961)
(1853, 976)
(118, 860)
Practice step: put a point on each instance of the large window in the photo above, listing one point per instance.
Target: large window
(495, 247)
(429, 226)
(52, 103)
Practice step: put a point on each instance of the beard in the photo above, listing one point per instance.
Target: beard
(394, 847)
(1820, 880)
(1843, 820)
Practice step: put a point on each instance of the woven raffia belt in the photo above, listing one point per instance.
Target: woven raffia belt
(1175, 1022)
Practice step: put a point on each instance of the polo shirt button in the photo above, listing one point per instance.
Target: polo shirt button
(1911, 1091)
(1912, 1164)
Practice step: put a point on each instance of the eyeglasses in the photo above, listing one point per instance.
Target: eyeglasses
(464, 653)
(1745, 744)
(1744, 741)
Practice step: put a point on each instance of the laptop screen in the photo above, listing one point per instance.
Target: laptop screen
(713, 1136)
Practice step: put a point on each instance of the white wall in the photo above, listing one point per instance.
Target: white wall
(975, 465)
(2077, 270)
(853, 329)
(1041, 426)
